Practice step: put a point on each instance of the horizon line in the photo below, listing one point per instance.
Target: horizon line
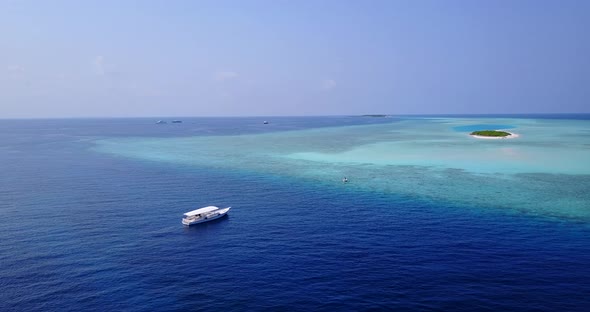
(283, 116)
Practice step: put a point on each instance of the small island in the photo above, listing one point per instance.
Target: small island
(492, 134)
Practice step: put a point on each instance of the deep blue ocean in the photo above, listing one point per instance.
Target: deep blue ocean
(87, 231)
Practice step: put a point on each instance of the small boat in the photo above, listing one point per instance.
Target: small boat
(345, 180)
(160, 122)
(176, 121)
(265, 122)
(204, 214)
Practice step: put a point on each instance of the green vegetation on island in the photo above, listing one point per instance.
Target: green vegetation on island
(491, 133)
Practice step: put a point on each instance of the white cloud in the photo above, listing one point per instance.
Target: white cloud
(225, 75)
(328, 84)
(15, 72)
(99, 65)
(15, 69)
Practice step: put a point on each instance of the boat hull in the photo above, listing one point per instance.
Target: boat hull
(214, 216)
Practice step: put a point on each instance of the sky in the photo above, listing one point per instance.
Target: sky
(269, 58)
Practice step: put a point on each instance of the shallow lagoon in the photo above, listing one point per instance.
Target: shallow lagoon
(546, 171)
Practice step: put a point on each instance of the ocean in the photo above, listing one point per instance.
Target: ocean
(431, 218)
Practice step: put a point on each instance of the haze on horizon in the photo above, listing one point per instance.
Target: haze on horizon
(254, 58)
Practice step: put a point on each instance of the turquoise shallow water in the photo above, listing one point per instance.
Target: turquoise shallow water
(479, 127)
(545, 171)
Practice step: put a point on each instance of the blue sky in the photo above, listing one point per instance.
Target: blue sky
(252, 58)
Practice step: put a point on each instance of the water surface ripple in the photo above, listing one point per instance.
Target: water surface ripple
(92, 231)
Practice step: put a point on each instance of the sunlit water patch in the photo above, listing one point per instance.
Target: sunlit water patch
(545, 171)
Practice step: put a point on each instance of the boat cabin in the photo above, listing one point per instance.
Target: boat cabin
(199, 213)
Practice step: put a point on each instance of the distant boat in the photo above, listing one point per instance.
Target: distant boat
(176, 121)
(160, 122)
(265, 122)
(204, 214)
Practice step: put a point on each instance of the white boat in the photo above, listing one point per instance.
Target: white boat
(204, 214)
